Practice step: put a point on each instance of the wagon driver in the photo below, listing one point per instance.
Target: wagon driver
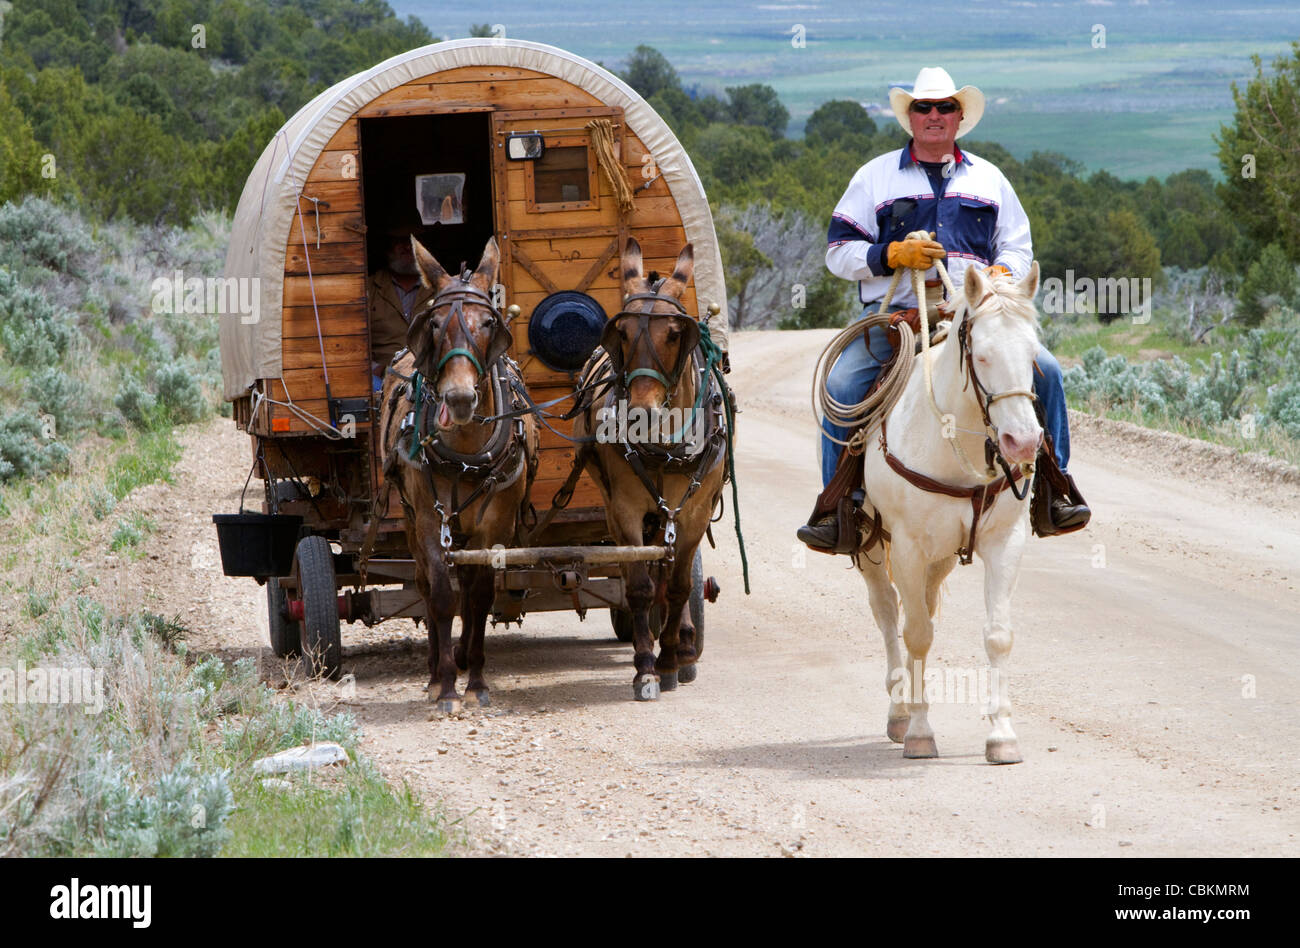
(967, 203)
(395, 293)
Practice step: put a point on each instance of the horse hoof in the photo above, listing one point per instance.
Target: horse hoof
(686, 673)
(896, 729)
(1002, 752)
(919, 748)
(668, 681)
(481, 698)
(646, 689)
(447, 706)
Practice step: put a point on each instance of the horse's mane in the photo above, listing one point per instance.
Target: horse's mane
(1007, 292)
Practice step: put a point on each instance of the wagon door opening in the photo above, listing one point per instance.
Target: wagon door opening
(430, 175)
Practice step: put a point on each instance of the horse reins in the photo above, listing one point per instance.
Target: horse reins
(981, 496)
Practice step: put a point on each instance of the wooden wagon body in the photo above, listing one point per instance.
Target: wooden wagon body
(309, 230)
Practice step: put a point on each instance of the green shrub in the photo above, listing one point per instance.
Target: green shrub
(185, 815)
(137, 404)
(33, 331)
(40, 232)
(129, 534)
(1164, 387)
(60, 396)
(1282, 408)
(25, 448)
(179, 392)
(286, 725)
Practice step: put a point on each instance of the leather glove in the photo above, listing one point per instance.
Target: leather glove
(915, 253)
(997, 269)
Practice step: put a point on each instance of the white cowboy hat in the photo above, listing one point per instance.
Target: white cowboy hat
(933, 82)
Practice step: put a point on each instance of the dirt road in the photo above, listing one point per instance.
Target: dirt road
(1156, 675)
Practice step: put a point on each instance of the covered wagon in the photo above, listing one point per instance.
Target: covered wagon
(455, 142)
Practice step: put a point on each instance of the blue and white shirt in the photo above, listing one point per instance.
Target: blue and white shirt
(976, 216)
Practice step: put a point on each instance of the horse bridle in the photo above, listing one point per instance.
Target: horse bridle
(661, 373)
(455, 297)
(985, 399)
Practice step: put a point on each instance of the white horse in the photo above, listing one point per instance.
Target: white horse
(943, 438)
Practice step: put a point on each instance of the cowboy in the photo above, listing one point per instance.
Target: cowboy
(396, 294)
(974, 218)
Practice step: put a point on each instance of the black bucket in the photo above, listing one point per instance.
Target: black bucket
(257, 544)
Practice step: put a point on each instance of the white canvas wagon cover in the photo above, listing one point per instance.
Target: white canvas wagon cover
(251, 350)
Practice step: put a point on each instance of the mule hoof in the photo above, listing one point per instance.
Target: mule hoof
(1002, 752)
(646, 689)
(481, 698)
(686, 673)
(447, 705)
(896, 729)
(668, 681)
(919, 748)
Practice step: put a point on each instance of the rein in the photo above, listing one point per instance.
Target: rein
(980, 496)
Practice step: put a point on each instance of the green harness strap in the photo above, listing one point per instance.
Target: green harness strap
(713, 359)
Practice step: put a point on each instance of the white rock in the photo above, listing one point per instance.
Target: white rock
(307, 757)
(275, 783)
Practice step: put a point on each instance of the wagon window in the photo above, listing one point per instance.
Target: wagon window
(563, 178)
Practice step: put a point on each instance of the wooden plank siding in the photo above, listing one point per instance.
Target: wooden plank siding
(568, 246)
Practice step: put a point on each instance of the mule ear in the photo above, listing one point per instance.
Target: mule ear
(488, 265)
(432, 274)
(683, 269)
(1029, 285)
(633, 267)
(974, 286)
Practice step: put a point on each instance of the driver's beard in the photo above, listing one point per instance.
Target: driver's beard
(401, 266)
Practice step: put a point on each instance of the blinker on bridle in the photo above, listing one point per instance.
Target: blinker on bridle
(456, 297)
(660, 373)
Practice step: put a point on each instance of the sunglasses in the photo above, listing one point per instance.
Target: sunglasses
(944, 108)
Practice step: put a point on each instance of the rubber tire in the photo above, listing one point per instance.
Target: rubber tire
(320, 638)
(621, 620)
(696, 602)
(285, 637)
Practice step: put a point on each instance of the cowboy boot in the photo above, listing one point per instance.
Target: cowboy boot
(823, 534)
(1065, 514)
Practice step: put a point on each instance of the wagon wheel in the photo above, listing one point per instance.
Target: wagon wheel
(320, 639)
(621, 620)
(696, 602)
(284, 631)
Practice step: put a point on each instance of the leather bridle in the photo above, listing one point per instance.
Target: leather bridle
(642, 341)
(985, 399)
(455, 297)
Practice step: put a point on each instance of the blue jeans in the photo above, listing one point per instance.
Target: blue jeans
(857, 368)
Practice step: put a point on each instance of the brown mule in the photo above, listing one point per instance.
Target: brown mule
(659, 457)
(462, 479)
